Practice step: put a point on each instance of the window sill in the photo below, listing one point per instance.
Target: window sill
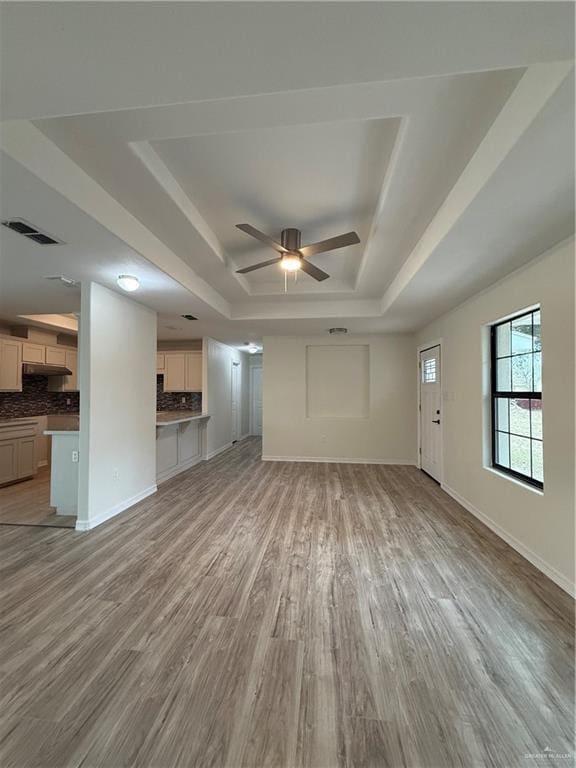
(519, 483)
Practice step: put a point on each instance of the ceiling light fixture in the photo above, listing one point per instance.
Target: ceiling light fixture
(128, 283)
(252, 349)
(291, 262)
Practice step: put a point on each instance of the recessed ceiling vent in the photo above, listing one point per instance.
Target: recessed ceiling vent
(189, 317)
(32, 233)
(338, 331)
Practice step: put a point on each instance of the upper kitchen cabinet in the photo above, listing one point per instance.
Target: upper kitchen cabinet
(65, 383)
(33, 353)
(10, 365)
(182, 371)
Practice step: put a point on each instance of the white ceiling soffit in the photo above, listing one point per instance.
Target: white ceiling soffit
(412, 150)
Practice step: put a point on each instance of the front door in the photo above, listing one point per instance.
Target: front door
(430, 416)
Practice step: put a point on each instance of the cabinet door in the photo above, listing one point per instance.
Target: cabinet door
(175, 372)
(33, 353)
(10, 366)
(194, 371)
(55, 356)
(8, 460)
(160, 357)
(26, 456)
(71, 382)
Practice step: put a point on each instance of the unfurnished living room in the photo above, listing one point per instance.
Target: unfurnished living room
(287, 384)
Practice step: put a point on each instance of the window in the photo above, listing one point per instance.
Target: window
(429, 371)
(516, 356)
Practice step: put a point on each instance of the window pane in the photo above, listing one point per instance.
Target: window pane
(502, 449)
(503, 375)
(502, 421)
(537, 338)
(520, 417)
(503, 340)
(520, 454)
(536, 416)
(537, 461)
(522, 334)
(537, 372)
(522, 373)
(429, 371)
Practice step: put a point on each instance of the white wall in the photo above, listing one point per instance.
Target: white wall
(541, 526)
(217, 393)
(388, 434)
(117, 404)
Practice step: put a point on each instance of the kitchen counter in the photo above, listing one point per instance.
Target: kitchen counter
(62, 424)
(164, 418)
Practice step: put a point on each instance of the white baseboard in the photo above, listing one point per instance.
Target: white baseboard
(87, 525)
(333, 460)
(243, 437)
(217, 451)
(43, 463)
(522, 549)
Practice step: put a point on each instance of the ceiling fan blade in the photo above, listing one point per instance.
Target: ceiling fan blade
(250, 230)
(259, 266)
(313, 271)
(340, 241)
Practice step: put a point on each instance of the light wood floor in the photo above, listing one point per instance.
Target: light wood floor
(276, 614)
(28, 503)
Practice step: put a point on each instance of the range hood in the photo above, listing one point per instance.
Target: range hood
(43, 369)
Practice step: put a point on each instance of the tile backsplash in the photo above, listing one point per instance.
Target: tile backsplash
(172, 401)
(36, 400)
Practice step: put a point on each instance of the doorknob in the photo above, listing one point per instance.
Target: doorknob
(435, 421)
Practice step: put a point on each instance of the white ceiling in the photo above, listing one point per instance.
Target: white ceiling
(441, 132)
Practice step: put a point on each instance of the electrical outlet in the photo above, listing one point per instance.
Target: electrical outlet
(183, 401)
(323, 438)
(68, 401)
(75, 457)
(116, 475)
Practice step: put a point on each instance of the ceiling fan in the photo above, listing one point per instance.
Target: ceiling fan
(293, 256)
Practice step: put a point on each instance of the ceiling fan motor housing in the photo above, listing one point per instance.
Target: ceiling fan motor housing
(291, 239)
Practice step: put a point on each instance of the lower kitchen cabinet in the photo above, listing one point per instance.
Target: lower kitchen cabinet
(17, 450)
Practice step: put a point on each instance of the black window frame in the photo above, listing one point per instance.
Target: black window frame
(511, 395)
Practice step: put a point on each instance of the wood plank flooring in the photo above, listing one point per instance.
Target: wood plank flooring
(281, 614)
(28, 503)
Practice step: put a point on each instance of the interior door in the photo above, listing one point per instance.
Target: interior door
(256, 399)
(430, 416)
(235, 401)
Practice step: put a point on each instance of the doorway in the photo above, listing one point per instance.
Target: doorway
(256, 400)
(430, 400)
(235, 401)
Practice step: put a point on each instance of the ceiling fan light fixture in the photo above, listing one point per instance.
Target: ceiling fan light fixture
(291, 262)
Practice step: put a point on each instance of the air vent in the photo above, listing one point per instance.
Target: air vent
(338, 331)
(189, 317)
(32, 233)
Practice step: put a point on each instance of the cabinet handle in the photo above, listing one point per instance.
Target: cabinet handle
(435, 421)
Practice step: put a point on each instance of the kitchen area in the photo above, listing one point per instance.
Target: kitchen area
(40, 421)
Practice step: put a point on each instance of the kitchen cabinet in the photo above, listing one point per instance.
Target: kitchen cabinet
(160, 359)
(33, 353)
(66, 383)
(182, 371)
(17, 449)
(10, 365)
(193, 371)
(175, 372)
(55, 356)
